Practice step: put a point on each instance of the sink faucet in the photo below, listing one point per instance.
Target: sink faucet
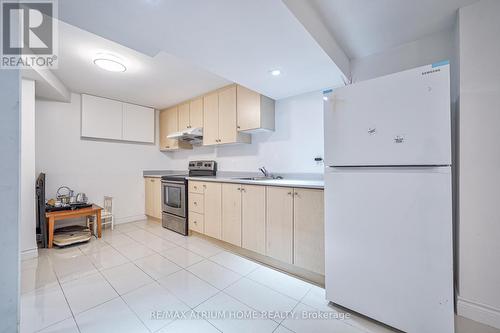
(264, 172)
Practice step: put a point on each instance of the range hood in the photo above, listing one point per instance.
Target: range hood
(193, 136)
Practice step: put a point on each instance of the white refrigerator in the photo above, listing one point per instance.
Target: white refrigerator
(388, 199)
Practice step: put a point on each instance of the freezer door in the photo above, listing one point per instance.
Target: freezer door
(388, 243)
(399, 119)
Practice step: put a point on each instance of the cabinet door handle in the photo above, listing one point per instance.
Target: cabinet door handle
(195, 187)
(295, 193)
(289, 193)
(239, 188)
(195, 222)
(195, 203)
(152, 180)
(238, 127)
(204, 186)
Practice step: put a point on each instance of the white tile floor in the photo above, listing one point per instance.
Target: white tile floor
(143, 278)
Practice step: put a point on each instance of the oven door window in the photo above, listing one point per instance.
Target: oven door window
(172, 196)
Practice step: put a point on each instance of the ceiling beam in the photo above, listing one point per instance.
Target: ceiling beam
(308, 17)
(47, 84)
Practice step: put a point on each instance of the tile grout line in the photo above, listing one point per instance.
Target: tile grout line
(123, 300)
(67, 303)
(185, 246)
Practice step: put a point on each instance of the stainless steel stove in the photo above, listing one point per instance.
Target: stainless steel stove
(174, 195)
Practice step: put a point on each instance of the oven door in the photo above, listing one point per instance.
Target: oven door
(173, 197)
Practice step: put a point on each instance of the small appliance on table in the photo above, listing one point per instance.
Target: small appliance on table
(54, 216)
(174, 195)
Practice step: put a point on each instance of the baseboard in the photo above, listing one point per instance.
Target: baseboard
(128, 219)
(29, 254)
(478, 312)
(286, 268)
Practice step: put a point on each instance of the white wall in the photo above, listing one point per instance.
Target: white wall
(10, 90)
(101, 168)
(97, 168)
(479, 219)
(28, 244)
(421, 52)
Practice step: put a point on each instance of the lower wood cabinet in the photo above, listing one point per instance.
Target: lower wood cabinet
(196, 203)
(280, 222)
(253, 218)
(279, 216)
(196, 222)
(213, 209)
(308, 230)
(231, 213)
(244, 216)
(153, 197)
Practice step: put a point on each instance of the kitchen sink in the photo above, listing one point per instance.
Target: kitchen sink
(258, 178)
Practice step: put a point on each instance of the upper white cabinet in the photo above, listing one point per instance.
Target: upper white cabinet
(255, 111)
(104, 118)
(138, 123)
(101, 118)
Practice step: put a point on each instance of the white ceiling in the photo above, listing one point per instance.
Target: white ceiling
(159, 81)
(364, 27)
(239, 40)
(175, 50)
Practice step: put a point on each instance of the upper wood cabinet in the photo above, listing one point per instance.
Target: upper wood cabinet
(191, 114)
(183, 112)
(225, 115)
(169, 123)
(196, 113)
(255, 111)
(211, 119)
(104, 118)
(308, 230)
(219, 118)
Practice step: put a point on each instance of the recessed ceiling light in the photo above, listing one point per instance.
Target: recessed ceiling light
(325, 98)
(109, 62)
(275, 72)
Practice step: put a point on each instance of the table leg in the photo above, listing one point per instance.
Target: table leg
(99, 224)
(51, 232)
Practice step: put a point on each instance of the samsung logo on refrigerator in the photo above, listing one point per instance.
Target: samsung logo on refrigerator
(431, 71)
(435, 65)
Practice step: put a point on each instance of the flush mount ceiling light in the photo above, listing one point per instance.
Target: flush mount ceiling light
(275, 72)
(109, 62)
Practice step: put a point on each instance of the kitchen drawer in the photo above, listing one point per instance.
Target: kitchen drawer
(196, 222)
(195, 187)
(196, 203)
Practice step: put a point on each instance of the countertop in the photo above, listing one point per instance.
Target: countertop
(286, 182)
(304, 180)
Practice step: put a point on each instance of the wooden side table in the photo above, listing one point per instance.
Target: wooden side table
(52, 217)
